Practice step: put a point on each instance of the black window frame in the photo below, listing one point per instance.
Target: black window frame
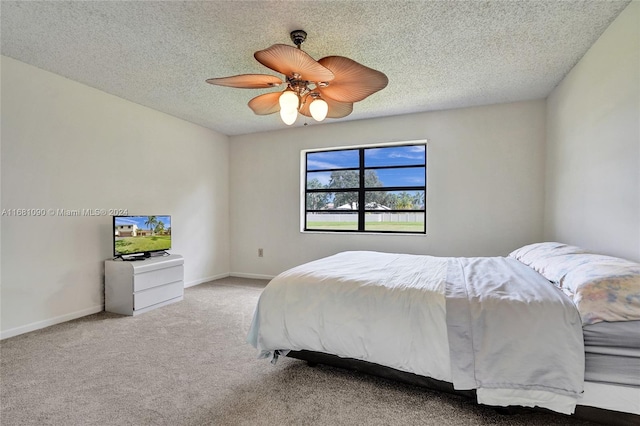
(362, 189)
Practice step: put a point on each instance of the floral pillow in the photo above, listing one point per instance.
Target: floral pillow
(604, 288)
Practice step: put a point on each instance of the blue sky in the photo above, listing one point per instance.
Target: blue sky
(140, 220)
(387, 156)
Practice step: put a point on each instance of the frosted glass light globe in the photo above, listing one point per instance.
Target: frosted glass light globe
(288, 100)
(289, 116)
(319, 109)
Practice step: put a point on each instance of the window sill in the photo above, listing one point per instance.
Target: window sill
(392, 234)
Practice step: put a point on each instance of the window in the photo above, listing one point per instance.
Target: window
(366, 189)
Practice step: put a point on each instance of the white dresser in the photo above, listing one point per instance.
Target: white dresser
(135, 287)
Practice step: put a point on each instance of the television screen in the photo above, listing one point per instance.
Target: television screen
(141, 234)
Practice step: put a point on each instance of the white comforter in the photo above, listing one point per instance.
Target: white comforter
(391, 309)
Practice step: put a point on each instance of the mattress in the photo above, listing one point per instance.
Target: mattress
(612, 353)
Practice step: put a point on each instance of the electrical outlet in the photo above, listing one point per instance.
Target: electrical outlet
(260, 252)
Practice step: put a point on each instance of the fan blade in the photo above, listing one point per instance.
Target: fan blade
(353, 81)
(289, 60)
(247, 81)
(266, 104)
(336, 109)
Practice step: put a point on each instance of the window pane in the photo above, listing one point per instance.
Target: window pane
(318, 180)
(395, 156)
(332, 221)
(394, 200)
(317, 201)
(395, 222)
(411, 176)
(338, 179)
(345, 200)
(333, 160)
(332, 200)
(343, 179)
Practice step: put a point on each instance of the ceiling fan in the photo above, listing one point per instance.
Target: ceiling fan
(319, 89)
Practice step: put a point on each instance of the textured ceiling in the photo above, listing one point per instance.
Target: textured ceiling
(437, 54)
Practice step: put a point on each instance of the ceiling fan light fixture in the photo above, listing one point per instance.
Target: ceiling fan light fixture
(289, 116)
(326, 88)
(289, 100)
(319, 109)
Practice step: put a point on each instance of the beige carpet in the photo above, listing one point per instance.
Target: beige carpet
(188, 364)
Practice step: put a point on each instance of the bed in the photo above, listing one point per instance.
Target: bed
(572, 338)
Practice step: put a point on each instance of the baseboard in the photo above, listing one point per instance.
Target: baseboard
(205, 280)
(253, 276)
(89, 311)
(49, 322)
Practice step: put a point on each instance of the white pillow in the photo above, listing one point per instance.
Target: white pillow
(547, 258)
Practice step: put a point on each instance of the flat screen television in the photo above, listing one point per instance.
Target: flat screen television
(140, 236)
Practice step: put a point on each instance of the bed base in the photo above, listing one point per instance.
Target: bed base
(598, 415)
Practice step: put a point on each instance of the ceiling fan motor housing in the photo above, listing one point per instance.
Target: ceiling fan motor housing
(298, 37)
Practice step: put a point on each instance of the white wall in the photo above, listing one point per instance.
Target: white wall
(65, 145)
(593, 146)
(485, 186)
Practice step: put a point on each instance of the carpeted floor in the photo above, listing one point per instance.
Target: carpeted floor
(188, 364)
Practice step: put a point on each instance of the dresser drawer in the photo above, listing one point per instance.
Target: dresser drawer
(158, 277)
(157, 294)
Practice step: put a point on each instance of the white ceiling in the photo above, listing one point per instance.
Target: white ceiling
(437, 54)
